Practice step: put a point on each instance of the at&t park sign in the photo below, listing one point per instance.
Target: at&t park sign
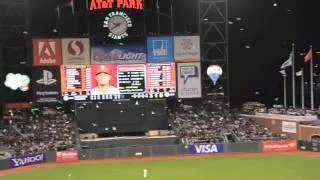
(120, 4)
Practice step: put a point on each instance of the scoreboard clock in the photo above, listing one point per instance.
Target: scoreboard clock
(117, 23)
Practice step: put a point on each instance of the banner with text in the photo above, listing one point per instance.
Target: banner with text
(189, 80)
(289, 127)
(47, 52)
(46, 84)
(279, 146)
(27, 160)
(205, 148)
(186, 48)
(160, 49)
(118, 55)
(67, 156)
(76, 51)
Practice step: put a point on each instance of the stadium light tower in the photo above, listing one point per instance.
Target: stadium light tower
(213, 30)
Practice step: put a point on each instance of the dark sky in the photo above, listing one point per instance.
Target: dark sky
(268, 30)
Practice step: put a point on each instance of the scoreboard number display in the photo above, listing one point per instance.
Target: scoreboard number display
(108, 82)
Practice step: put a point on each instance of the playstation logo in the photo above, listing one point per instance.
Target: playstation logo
(47, 78)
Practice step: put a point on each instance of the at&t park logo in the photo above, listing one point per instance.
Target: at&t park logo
(117, 54)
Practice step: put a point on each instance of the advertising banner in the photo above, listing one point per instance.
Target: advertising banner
(118, 55)
(279, 146)
(189, 80)
(46, 84)
(67, 156)
(27, 160)
(76, 51)
(47, 52)
(160, 49)
(205, 149)
(289, 127)
(187, 48)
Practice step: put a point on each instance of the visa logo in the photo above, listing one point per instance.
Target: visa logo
(210, 148)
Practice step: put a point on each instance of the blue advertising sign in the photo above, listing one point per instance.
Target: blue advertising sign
(205, 148)
(27, 160)
(160, 49)
(118, 55)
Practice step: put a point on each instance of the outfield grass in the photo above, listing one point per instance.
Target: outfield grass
(287, 167)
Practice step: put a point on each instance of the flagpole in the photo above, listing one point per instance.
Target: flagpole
(285, 90)
(302, 90)
(293, 79)
(311, 80)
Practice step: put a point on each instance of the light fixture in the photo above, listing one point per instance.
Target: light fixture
(55, 30)
(239, 19)
(275, 4)
(241, 29)
(205, 19)
(230, 22)
(25, 32)
(248, 47)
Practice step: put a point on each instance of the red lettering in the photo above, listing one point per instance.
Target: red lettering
(110, 3)
(139, 4)
(107, 4)
(119, 3)
(125, 4)
(132, 4)
(93, 5)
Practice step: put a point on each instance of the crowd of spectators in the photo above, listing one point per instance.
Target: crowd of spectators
(211, 122)
(29, 132)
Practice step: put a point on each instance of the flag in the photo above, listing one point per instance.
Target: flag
(283, 72)
(287, 63)
(300, 73)
(57, 9)
(71, 4)
(308, 57)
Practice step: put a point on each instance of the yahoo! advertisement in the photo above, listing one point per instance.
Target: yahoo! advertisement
(27, 160)
(205, 148)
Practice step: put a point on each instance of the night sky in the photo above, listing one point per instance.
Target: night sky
(269, 27)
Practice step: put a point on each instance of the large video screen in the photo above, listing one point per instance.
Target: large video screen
(107, 82)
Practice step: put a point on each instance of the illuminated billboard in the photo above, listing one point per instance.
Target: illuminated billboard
(123, 81)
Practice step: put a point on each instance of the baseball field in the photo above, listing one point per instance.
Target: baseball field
(284, 166)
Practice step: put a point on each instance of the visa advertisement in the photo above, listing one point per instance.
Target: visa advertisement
(118, 55)
(160, 49)
(205, 148)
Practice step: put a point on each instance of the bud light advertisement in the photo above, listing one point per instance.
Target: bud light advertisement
(205, 148)
(118, 55)
(27, 160)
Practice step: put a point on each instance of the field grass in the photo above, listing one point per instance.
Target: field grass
(285, 167)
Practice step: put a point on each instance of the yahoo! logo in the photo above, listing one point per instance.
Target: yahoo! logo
(27, 160)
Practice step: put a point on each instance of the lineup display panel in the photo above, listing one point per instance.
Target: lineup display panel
(124, 81)
(161, 80)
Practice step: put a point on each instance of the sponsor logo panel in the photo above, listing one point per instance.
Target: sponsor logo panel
(205, 148)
